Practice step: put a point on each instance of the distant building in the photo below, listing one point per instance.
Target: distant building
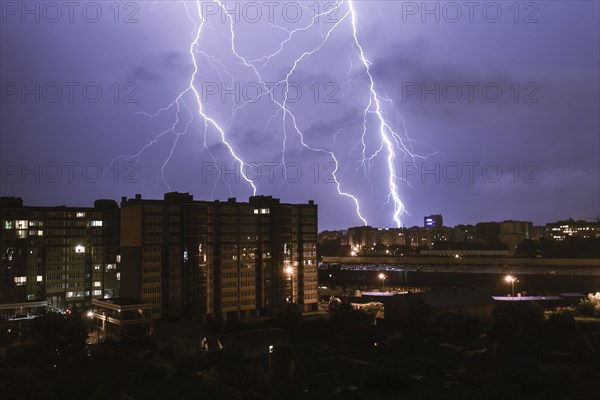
(66, 256)
(433, 221)
(341, 237)
(362, 236)
(538, 232)
(427, 237)
(561, 230)
(512, 233)
(229, 259)
(391, 236)
(465, 233)
(487, 232)
(333, 243)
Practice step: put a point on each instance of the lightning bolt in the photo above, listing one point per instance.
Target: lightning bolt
(394, 144)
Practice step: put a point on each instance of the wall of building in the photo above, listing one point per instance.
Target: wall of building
(229, 259)
(65, 255)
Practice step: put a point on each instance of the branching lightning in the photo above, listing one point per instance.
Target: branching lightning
(394, 145)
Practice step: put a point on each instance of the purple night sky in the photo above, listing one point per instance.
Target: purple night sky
(490, 110)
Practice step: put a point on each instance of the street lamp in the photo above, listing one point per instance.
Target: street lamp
(511, 279)
(382, 277)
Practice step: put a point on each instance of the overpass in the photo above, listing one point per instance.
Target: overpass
(495, 261)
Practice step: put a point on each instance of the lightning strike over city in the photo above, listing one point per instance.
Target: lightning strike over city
(335, 19)
(379, 111)
(299, 199)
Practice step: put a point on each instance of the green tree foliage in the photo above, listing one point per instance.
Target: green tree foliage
(339, 309)
(589, 307)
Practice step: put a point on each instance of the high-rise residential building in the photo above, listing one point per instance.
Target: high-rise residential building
(391, 236)
(427, 237)
(362, 236)
(191, 258)
(465, 233)
(340, 236)
(488, 232)
(561, 230)
(65, 256)
(538, 232)
(433, 221)
(512, 233)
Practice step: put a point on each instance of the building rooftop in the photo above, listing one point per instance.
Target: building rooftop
(527, 298)
(121, 301)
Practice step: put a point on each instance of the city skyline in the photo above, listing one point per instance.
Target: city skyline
(495, 107)
(26, 203)
(300, 199)
(183, 257)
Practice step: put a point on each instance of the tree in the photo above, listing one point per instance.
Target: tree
(590, 306)
(528, 248)
(338, 308)
(586, 308)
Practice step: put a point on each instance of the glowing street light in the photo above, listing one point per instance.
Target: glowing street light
(382, 277)
(511, 279)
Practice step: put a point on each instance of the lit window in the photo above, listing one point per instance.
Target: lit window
(22, 234)
(118, 276)
(70, 294)
(20, 280)
(110, 266)
(96, 223)
(97, 292)
(8, 224)
(118, 258)
(22, 224)
(256, 211)
(264, 211)
(80, 215)
(79, 249)
(39, 278)
(97, 283)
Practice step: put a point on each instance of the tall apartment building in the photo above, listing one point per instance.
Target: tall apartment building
(230, 259)
(465, 233)
(561, 230)
(433, 221)
(63, 255)
(514, 232)
(488, 232)
(362, 236)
